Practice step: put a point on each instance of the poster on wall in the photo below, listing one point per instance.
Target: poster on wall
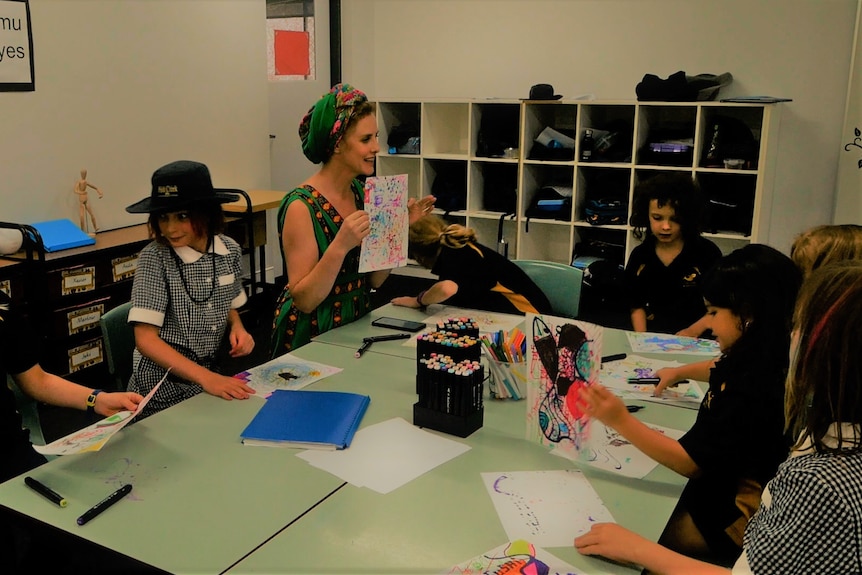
(16, 47)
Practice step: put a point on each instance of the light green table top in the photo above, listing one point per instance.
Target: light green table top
(446, 515)
(201, 500)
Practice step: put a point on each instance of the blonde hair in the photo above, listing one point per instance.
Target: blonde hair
(428, 234)
(821, 245)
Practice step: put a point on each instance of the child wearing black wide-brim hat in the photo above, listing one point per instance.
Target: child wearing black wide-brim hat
(187, 290)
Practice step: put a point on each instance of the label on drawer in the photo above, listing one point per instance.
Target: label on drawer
(124, 267)
(85, 318)
(85, 355)
(79, 280)
(6, 287)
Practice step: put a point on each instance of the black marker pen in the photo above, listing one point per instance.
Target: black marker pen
(45, 491)
(104, 503)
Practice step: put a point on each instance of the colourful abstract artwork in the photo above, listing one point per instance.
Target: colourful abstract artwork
(515, 558)
(284, 372)
(549, 508)
(563, 356)
(385, 247)
(645, 342)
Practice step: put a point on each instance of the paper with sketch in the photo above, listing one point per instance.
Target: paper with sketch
(385, 247)
(608, 450)
(646, 342)
(95, 436)
(549, 508)
(615, 374)
(513, 558)
(385, 456)
(285, 372)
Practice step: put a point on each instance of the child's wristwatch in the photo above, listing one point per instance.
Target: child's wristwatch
(91, 401)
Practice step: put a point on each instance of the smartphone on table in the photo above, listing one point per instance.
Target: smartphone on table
(400, 324)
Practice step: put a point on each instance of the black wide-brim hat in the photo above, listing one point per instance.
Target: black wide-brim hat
(543, 92)
(178, 185)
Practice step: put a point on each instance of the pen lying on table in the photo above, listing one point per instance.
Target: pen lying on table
(648, 380)
(367, 341)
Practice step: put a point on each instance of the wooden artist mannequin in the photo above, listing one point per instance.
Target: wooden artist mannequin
(83, 201)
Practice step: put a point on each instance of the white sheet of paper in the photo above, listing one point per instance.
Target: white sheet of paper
(549, 508)
(386, 455)
(285, 372)
(498, 559)
(608, 450)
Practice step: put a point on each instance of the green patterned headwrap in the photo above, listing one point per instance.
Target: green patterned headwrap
(326, 121)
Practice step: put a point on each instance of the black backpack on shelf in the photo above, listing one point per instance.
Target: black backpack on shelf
(605, 212)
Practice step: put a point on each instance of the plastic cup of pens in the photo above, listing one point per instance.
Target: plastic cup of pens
(507, 379)
(507, 366)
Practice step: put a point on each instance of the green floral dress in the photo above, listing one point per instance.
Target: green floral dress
(349, 298)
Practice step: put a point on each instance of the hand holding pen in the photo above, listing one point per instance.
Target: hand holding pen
(367, 341)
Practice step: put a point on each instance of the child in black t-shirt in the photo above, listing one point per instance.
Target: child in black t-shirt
(737, 440)
(663, 273)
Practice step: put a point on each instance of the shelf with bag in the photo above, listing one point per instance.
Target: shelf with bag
(729, 148)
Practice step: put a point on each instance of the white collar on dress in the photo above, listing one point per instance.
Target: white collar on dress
(190, 255)
(848, 430)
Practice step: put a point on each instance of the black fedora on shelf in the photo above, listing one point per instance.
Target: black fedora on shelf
(543, 92)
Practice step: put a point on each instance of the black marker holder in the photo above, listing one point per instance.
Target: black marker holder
(449, 402)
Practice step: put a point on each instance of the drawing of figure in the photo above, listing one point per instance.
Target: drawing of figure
(84, 207)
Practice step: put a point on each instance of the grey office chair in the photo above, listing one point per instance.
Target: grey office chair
(560, 282)
(119, 338)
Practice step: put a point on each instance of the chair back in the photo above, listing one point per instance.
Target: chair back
(561, 283)
(119, 338)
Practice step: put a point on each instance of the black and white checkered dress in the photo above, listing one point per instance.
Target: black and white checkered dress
(192, 315)
(810, 519)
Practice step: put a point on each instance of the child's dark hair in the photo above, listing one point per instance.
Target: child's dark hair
(675, 189)
(824, 385)
(207, 219)
(759, 285)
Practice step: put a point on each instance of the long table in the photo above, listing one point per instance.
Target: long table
(204, 503)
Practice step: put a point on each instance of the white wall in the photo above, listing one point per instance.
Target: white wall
(799, 49)
(848, 196)
(123, 87)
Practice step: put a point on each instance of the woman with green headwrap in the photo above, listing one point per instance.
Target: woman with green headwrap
(322, 222)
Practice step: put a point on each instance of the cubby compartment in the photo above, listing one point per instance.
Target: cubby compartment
(603, 196)
(446, 129)
(493, 187)
(729, 203)
(612, 129)
(553, 186)
(545, 240)
(397, 122)
(730, 138)
(447, 181)
(412, 166)
(666, 135)
(553, 117)
(601, 243)
(495, 129)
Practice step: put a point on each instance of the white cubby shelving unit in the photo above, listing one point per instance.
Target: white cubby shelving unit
(449, 133)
